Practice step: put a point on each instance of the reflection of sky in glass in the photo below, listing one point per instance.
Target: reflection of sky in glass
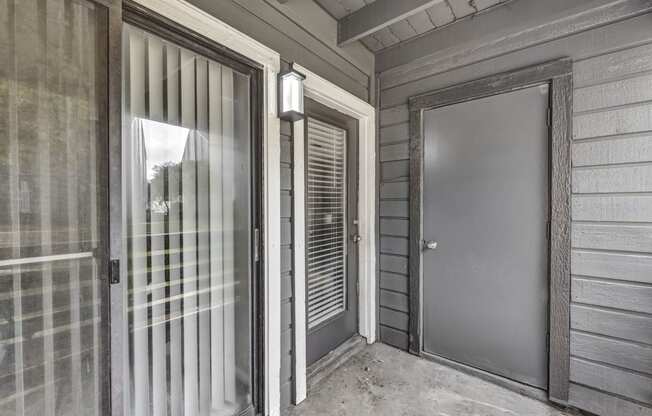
(164, 143)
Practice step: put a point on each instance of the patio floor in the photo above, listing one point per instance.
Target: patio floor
(382, 381)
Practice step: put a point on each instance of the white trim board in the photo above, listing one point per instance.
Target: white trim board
(214, 29)
(330, 95)
(299, 267)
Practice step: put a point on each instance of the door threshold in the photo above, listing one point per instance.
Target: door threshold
(326, 365)
(515, 386)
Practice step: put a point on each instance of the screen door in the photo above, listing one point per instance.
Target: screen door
(53, 207)
(485, 202)
(188, 228)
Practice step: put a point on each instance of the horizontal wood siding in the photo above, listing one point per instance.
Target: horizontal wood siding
(616, 36)
(611, 265)
(615, 380)
(628, 355)
(301, 33)
(611, 289)
(599, 403)
(619, 266)
(613, 150)
(287, 276)
(393, 225)
(612, 323)
(612, 208)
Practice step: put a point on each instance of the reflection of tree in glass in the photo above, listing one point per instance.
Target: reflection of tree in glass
(164, 174)
(167, 173)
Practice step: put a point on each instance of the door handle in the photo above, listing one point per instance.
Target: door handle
(114, 271)
(356, 238)
(429, 245)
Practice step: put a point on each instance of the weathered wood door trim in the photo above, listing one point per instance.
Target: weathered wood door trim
(558, 74)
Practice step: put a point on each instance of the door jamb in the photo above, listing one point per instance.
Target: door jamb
(330, 95)
(113, 301)
(558, 74)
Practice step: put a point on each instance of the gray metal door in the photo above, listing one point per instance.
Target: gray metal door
(485, 202)
(331, 235)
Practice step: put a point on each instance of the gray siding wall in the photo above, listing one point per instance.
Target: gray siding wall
(301, 32)
(611, 261)
(287, 256)
(393, 227)
(611, 312)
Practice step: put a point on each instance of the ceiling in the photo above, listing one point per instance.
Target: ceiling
(440, 14)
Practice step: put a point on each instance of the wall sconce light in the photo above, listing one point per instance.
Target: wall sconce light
(290, 95)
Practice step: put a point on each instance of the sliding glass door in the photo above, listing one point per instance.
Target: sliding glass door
(53, 199)
(188, 225)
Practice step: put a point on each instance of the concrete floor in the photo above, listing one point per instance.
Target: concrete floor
(382, 381)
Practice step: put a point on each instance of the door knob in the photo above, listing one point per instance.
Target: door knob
(356, 238)
(430, 245)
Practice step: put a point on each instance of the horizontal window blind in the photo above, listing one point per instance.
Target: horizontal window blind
(326, 221)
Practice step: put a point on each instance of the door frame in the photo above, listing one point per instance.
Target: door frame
(332, 96)
(327, 115)
(205, 29)
(558, 74)
(112, 299)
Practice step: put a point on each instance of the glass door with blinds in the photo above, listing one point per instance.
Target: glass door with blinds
(188, 225)
(53, 215)
(331, 229)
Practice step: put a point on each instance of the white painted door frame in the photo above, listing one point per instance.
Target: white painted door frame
(330, 95)
(214, 29)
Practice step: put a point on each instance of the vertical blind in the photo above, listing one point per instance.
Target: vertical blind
(326, 220)
(52, 139)
(187, 221)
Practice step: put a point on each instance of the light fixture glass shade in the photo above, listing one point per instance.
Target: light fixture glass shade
(291, 96)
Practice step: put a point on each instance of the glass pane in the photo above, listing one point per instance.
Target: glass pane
(52, 153)
(326, 220)
(187, 205)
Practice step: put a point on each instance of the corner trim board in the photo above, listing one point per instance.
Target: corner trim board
(299, 290)
(558, 74)
(560, 239)
(415, 246)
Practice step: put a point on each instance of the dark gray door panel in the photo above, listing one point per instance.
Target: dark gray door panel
(485, 202)
(331, 212)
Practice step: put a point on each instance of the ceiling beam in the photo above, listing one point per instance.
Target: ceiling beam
(377, 15)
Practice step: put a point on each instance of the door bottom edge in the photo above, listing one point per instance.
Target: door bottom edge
(532, 392)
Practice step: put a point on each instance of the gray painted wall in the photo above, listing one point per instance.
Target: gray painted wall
(301, 32)
(611, 313)
(611, 265)
(287, 252)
